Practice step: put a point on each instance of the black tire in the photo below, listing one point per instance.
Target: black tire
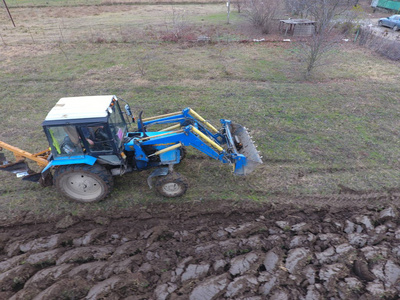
(172, 185)
(83, 183)
(380, 23)
(395, 28)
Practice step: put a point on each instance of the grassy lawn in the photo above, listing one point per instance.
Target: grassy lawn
(339, 129)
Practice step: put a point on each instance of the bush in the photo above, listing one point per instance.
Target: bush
(262, 13)
(382, 45)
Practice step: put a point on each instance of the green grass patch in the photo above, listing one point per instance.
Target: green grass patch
(339, 130)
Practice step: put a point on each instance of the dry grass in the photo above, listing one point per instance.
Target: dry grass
(339, 130)
(121, 23)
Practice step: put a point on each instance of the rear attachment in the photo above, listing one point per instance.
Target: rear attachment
(20, 167)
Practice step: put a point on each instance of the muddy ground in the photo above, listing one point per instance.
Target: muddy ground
(208, 250)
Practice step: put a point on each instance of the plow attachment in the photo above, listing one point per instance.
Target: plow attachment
(20, 167)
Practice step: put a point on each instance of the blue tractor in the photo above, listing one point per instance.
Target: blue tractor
(90, 143)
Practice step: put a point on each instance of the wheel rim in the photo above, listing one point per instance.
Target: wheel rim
(171, 188)
(82, 186)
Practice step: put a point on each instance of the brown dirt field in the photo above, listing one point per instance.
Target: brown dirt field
(219, 250)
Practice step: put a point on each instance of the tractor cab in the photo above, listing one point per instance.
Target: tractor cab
(86, 128)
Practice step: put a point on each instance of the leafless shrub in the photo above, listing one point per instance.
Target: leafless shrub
(177, 27)
(143, 58)
(314, 52)
(382, 45)
(350, 20)
(262, 13)
(314, 49)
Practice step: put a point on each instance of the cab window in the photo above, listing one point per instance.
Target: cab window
(64, 141)
(117, 125)
(97, 138)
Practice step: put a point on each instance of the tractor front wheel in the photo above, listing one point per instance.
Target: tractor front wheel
(172, 185)
(83, 183)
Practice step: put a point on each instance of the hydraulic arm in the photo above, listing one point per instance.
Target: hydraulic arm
(231, 144)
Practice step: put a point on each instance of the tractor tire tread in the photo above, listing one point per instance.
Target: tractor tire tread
(172, 177)
(96, 169)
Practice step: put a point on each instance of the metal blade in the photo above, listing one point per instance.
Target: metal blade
(248, 148)
(20, 168)
(34, 177)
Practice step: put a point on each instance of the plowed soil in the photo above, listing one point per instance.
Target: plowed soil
(208, 250)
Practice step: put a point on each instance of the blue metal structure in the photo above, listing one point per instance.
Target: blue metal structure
(90, 142)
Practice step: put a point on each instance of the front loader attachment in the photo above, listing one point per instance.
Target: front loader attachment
(240, 142)
(230, 144)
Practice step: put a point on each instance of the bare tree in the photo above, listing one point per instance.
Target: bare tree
(238, 4)
(324, 11)
(313, 50)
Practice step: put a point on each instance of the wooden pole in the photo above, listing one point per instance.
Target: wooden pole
(8, 11)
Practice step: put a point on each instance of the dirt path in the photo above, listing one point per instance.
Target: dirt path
(219, 250)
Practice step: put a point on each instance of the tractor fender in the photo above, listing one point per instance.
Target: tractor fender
(87, 160)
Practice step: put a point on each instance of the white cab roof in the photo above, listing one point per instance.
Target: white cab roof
(86, 107)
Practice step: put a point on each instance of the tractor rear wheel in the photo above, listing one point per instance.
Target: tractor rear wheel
(172, 185)
(83, 183)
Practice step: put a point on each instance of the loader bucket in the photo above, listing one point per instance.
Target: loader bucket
(245, 147)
